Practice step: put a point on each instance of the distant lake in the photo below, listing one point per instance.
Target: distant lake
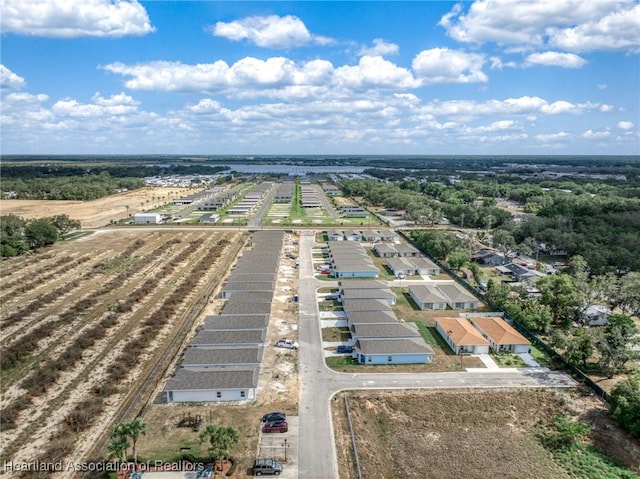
(294, 169)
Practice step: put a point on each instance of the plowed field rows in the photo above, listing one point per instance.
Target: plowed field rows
(84, 325)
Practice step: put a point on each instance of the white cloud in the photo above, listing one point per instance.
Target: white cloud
(596, 135)
(9, 80)
(602, 86)
(380, 48)
(573, 25)
(625, 125)
(441, 65)
(557, 59)
(617, 30)
(552, 137)
(249, 76)
(374, 72)
(74, 18)
(270, 32)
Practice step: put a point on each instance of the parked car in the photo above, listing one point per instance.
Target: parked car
(266, 467)
(287, 344)
(343, 348)
(331, 297)
(274, 416)
(275, 426)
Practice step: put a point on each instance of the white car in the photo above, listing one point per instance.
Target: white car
(287, 343)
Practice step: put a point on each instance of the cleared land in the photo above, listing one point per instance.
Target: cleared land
(471, 434)
(93, 214)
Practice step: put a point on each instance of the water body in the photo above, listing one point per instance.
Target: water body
(294, 170)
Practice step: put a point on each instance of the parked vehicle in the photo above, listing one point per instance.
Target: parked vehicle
(266, 467)
(343, 348)
(287, 344)
(274, 416)
(331, 297)
(275, 426)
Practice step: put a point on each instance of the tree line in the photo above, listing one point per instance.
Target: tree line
(18, 235)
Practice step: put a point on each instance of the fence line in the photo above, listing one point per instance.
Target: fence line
(577, 374)
(353, 437)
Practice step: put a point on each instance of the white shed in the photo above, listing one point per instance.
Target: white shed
(147, 218)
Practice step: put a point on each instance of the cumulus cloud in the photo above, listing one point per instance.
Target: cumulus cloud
(269, 32)
(441, 65)
(380, 48)
(9, 80)
(617, 30)
(573, 25)
(250, 76)
(552, 137)
(74, 18)
(596, 135)
(625, 125)
(557, 59)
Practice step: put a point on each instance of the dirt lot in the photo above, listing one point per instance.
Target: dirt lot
(93, 214)
(471, 434)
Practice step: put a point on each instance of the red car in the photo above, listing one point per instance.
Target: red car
(275, 426)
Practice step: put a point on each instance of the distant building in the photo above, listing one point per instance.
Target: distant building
(147, 218)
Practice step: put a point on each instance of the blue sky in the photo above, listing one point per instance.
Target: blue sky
(483, 77)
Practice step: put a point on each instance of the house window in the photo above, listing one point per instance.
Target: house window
(389, 359)
(243, 394)
(369, 359)
(218, 394)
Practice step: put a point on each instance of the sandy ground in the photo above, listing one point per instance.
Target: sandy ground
(97, 213)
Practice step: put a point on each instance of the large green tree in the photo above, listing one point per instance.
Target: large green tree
(222, 440)
(40, 232)
(625, 404)
(616, 343)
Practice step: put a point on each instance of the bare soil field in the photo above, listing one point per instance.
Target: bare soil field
(470, 434)
(89, 327)
(97, 213)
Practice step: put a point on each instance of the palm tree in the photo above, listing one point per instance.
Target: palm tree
(222, 440)
(118, 447)
(134, 430)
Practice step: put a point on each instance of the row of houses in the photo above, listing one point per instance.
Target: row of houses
(330, 189)
(396, 250)
(476, 335)
(220, 200)
(377, 335)
(348, 259)
(223, 360)
(284, 193)
(309, 196)
(352, 211)
(366, 235)
(251, 199)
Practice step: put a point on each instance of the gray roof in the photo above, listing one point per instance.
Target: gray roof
(422, 263)
(228, 337)
(385, 330)
(393, 346)
(221, 356)
(248, 297)
(456, 293)
(252, 277)
(377, 293)
(357, 317)
(246, 286)
(406, 248)
(362, 283)
(365, 305)
(189, 380)
(385, 248)
(246, 308)
(400, 264)
(427, 294)
(236, 322)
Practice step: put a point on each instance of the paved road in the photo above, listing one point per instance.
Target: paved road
(318, 384)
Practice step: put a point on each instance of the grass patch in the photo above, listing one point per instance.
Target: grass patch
(336, 334)
(588, 462)
(508, 360)
(540, 357)
(330, 306)
(342, 363)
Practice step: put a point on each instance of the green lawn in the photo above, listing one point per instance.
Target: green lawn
(508, 360)
(336, 334)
